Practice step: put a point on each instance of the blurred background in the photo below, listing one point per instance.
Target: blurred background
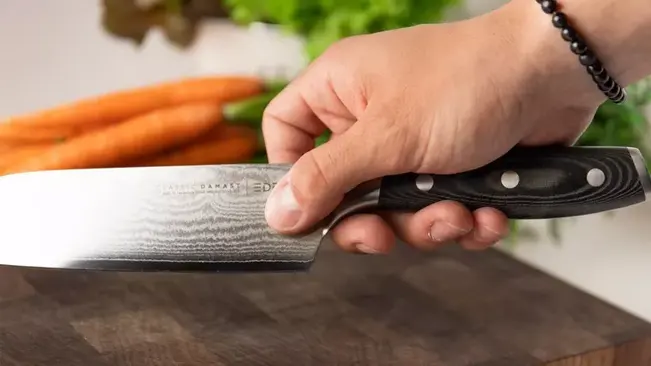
(56, 53)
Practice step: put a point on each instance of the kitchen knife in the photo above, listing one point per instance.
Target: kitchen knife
(211, 218)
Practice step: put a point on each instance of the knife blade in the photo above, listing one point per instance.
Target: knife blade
(211, 218)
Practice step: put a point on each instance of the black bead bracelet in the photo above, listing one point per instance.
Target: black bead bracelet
(587, 58)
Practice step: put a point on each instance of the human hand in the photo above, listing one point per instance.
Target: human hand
(438, 99)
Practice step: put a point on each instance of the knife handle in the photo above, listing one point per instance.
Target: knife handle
(531, 183)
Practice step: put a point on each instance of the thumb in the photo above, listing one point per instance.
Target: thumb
(318, 181)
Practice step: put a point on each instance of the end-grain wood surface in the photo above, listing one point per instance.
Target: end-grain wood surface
(445, 308)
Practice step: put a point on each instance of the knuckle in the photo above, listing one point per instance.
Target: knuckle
(340, 46)
(313, 178)
(270, 115)
(400, 157)
(321, 167)
(268, 119)
(343, 48)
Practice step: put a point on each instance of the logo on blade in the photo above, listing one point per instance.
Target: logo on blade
(262, 187)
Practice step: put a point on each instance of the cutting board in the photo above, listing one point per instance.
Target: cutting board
(445, 308)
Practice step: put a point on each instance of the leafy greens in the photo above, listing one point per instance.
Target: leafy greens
(323, 22)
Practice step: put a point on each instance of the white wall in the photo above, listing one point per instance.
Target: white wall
(54, 52)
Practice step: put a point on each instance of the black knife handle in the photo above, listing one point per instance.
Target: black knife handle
(532, 183)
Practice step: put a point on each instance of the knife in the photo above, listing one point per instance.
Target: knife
(211, 218)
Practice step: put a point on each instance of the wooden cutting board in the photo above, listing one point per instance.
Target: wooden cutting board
(445, 308)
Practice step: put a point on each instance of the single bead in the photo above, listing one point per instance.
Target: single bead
(587, 58)
(617, 98)
(607, 85)
(578, 47)
(600, 78)
(614, 92)
(622, 97)
(548, 6)
(559, 20)
(568, 34)
(596, 68)
(610, 84)
(619, 95)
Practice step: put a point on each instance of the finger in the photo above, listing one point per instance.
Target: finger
(365, 233)
(319, 179)
(289, 125)
(432, 226)
(490, 227)
(305, 109)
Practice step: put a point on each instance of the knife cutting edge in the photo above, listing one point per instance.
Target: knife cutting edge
(211, 218)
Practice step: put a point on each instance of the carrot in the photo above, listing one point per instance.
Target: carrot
(25, 135)
(140, 136)
(228, 144)
(18, 154)
(7, 148)
(71, 119)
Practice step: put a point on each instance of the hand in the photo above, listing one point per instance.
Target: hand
(440, 99)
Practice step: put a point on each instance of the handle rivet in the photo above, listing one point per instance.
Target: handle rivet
(596, 177)
(424, 182)
(510, 179)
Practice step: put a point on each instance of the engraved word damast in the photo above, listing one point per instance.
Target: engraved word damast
(245, 187)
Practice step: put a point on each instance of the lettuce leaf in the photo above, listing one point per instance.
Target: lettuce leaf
(323, 22)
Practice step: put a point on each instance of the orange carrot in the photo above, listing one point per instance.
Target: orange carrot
(140, 136)
(18, 154)
(228, 144)
(7, 148)
(25, 135)
(71, 119)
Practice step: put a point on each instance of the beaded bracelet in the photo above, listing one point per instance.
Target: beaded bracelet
(587, 58)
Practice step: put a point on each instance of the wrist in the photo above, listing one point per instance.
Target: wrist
(616, 32)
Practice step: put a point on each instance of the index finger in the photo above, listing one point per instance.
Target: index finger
(289, 125)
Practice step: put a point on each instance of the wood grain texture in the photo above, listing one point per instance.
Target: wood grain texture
(552, 183)
(446, 308)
